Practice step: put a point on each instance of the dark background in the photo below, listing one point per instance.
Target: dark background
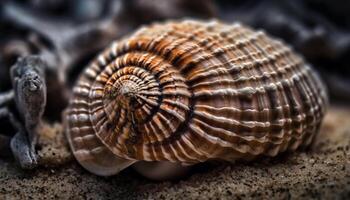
(67, 34)
(70, 33)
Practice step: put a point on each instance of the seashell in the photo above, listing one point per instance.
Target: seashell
(191, 91)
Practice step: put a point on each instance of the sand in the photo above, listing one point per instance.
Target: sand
(321, 172)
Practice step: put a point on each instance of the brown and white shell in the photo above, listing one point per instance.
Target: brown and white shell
(191, 91)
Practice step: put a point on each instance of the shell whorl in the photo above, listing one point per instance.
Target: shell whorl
(192, 91)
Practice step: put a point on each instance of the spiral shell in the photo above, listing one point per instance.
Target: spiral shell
(192, 91)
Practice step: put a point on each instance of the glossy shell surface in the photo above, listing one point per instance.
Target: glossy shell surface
(191, 91)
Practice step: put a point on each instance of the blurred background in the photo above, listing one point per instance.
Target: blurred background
(67, 35)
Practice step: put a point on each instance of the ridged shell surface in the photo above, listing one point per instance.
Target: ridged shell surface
(191, 91)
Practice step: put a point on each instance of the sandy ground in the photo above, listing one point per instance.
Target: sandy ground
(322, 172)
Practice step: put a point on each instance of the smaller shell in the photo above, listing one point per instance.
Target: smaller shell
(190, 91)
